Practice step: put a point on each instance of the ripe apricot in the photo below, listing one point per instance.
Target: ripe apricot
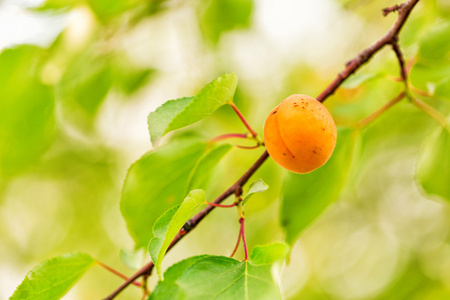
(300, 134)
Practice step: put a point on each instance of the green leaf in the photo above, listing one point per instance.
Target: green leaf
(200, 175)
(106, 10)
(168, 289)
(219, 277)
(306, 196)
(179, 113)
(443, 89)
(26, 110)
(433, 166)
(219, 16)
(261, 259)
(168, 225)
(423, 75)
(257, 186)
(155, 183)
(132, 259)
(57, 4)
(130, 80)
(359, 79)
(269, 254)
(434, 47)
(54, 277)
(86, 82)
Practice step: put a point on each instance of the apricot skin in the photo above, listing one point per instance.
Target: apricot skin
(300, 134)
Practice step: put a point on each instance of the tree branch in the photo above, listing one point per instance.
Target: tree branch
(403, 12)
(364, 56)
(388, 10)
(401, 61)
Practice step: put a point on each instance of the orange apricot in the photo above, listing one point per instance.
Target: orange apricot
(300, 134)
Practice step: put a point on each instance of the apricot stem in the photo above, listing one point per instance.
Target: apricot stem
(381, 110)
(243, 119)
(108, 268)
(431, 111)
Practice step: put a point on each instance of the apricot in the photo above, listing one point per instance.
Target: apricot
(300, 134)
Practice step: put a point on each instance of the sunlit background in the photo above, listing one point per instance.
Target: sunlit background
(81, 77)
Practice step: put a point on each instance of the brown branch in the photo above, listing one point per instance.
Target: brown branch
(141, 272)
(401, 60)
(403, 13)
(388, 10)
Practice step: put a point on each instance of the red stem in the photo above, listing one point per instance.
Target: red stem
(229, 136)
(147, 269)
(242, 220)
(243, 119)
(117, 273)
(237, 243)
(247, 147)
(221, 205)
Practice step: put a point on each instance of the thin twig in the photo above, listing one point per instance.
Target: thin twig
(254, 134)
(116, 273)
(419, 92)
(431, 111)
(145, 286)
(364, 56)
(248, 147)
(221, 205)
(230, 136)
(401, 60)
(244, 242)
(388, 10)
(381, 110)
(142, 271)
(237, 243)
(352, 66)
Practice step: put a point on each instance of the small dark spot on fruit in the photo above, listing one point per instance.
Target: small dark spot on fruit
(284, 153)
(274, 112)
(314, 151)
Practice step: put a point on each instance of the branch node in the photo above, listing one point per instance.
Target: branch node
(388, 10)
(238, 191)
(187, 226)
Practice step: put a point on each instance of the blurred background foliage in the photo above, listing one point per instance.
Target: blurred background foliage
(79, 77)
